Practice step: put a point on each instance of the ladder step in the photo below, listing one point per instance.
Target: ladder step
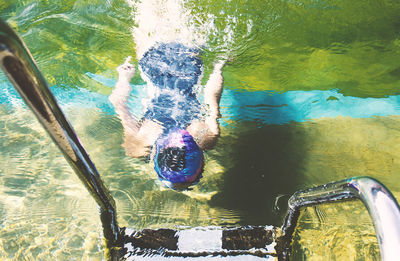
(258, 241)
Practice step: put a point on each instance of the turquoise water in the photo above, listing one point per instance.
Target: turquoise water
(310, 96)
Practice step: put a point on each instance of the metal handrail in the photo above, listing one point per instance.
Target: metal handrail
(380, 203)
(19, 66)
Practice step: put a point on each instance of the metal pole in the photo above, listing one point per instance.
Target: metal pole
(19, 66)
(380, 203)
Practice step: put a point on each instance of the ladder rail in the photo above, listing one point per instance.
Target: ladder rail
(379, 201)
(22, 71)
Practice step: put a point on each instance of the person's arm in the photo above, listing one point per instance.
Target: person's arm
(120, 95)
(138, 138)
(212, 96)
(207, 132)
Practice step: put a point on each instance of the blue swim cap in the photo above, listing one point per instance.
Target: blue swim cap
(178, 160)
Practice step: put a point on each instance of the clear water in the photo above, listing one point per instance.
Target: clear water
(311, 96)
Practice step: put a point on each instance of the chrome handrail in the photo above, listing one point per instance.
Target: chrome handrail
(19, 66)
(380, 203)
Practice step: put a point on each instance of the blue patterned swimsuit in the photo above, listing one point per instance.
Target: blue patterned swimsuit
(174, 70)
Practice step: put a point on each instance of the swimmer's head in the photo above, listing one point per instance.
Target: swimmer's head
(178, 160)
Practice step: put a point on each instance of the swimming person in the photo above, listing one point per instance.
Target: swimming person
(174, 128)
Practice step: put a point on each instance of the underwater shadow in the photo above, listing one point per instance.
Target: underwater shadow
(263, 168)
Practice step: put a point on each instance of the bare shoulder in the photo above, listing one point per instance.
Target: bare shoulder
(139, 144)
(204, 136)
(150, 129)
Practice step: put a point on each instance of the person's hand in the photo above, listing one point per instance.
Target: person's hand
(126, 70)
(219, 65)
(122, 88)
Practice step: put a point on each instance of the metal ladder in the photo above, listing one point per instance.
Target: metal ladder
(124, 244)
